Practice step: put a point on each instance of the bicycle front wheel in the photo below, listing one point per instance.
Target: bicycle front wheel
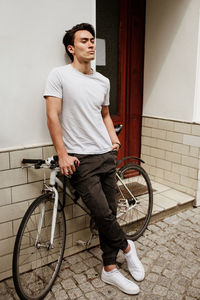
(35, 263)
(135, 200)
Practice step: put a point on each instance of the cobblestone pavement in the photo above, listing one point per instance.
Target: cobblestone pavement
(169, 250)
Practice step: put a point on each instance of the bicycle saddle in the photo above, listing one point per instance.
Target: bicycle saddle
(118, 128)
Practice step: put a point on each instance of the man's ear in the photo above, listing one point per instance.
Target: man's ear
(70, 48)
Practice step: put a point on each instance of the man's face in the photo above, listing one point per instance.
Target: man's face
(84, 46)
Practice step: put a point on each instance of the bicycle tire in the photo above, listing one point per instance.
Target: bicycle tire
(135, 220)
(35, 268)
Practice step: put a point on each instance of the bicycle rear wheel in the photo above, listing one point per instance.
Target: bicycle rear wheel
(135, 200)
(35, 264)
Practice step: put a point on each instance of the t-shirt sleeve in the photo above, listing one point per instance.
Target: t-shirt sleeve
(53, 85)
(107, 95)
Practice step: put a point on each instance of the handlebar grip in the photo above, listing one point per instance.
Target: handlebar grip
(32, 161)
(55, 157)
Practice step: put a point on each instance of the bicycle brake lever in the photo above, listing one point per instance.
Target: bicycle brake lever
(76, 164)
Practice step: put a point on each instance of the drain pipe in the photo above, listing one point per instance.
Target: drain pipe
(197, 200)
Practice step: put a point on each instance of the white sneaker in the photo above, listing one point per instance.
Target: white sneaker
(115, 278)
(134, 264)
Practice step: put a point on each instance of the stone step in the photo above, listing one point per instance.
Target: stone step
(168, 201)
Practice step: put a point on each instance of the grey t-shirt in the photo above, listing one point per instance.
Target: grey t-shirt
(83, 96)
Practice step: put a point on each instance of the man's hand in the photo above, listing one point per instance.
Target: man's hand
(115, 146)
(67, 164)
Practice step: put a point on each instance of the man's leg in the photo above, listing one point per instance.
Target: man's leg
(87, 181)
(112, 238)
(88, 184)
(109, 186)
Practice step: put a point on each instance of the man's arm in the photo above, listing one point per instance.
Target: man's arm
(53, 110)
(110, 127)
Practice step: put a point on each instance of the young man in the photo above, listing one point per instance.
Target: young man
(77, 103)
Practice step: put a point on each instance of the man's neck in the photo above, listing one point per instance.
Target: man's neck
(84, 68)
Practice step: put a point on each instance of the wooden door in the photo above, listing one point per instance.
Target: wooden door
(129, 59)
(134, 75)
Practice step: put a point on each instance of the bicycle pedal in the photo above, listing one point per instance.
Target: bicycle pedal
(81, 243)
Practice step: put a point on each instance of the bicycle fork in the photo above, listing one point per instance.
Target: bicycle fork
(54, 215)
(37, 244)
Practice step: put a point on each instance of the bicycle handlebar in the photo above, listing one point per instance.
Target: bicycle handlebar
(51, 162)
(33, 161)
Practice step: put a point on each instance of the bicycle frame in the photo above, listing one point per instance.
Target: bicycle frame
(126, 187)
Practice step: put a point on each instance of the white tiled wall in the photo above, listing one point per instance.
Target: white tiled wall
(171, 158)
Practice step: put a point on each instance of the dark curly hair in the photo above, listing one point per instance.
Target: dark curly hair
(68, 38)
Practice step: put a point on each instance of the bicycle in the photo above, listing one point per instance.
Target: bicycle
(40, 241)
